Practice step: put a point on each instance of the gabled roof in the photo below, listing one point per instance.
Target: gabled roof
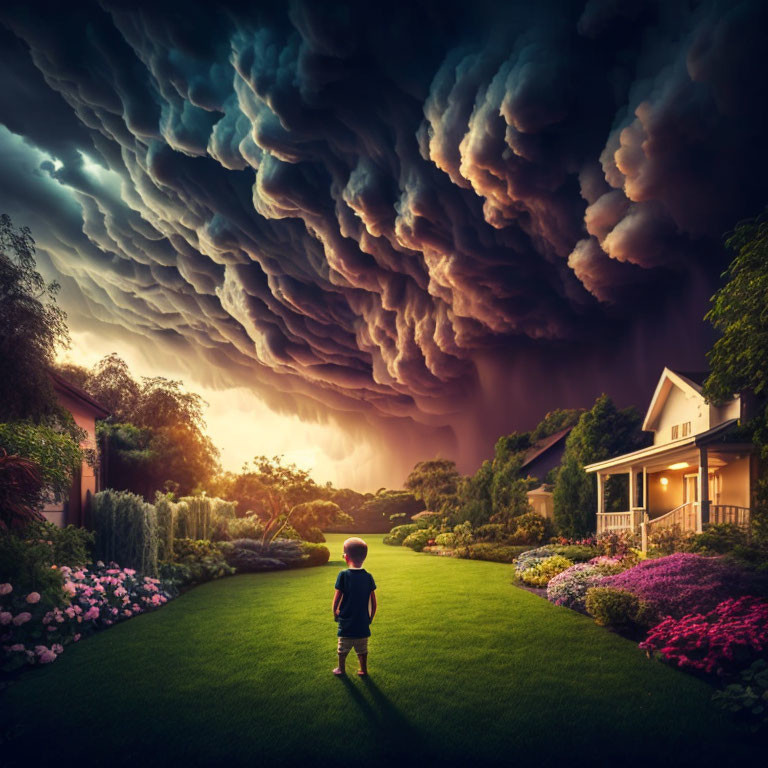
(545, 444)
(669, 379)
(60, 384)
(695, 377)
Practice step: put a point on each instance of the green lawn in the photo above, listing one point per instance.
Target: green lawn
(464, 667)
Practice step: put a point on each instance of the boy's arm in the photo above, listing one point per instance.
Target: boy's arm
(337, 595)
(372, 603)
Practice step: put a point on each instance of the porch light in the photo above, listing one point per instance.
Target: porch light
(664, 482)
(679, 465)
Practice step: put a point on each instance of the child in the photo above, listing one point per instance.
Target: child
(354, 606)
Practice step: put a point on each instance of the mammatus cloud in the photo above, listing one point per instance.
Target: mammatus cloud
(427, 222)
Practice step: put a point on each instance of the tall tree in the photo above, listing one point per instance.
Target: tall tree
(602, 432)
(434, 482)
(739, 358)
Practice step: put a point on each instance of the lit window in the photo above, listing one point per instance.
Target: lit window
(675, 431)
(686, 429)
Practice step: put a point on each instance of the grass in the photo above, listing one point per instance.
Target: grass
(464, 668)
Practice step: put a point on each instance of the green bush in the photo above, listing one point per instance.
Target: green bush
(532, 529)
(668, 540)
(316, 554)
(26, 564)
(494, 532)
(196, 561)
(497, 553)
(126, 530)
(398, 534)
(71, 546)
(611, 607)
(719, 539)
(576, 552)
(748, 698)
(314, 536)
(446, 540)
(165, 509)
(540, 574)
(419, 539)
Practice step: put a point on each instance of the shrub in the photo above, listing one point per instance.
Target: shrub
(686, 583)
(27, 565)
(725, 639)
(399, 533)
(531, 529)
(616, 543)
(446, 540)
(316, 554)
(718, 539)
(419, 539)
(569, 588)
(540, 574)
(494, 532)
(248, 555)
(314, 536)
(71, 545)
(611, 607)
(196, 561)
(126, 530)
(576, 552)
(249, 527)
(165, 510)
(668, 540)
(748, 697)
(497, 553)
(531, 557)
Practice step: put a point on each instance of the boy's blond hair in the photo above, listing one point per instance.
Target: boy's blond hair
(356, 550)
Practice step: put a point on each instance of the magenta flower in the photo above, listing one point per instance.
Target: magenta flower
(33, 597)
(47, 657)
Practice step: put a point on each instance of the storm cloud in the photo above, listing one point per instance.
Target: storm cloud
(430, 221)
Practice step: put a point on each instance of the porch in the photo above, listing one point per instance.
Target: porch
(689, 486)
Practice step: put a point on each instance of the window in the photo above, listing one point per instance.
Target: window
(675, 430)
(686, 429)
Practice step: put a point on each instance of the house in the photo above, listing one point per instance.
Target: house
(87, 480)
(543, 456)
(696, 472)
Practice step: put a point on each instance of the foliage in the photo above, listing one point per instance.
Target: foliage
(71, 546)
(508, 489)
(576, 552)
(420, 538)
(473, 503)
(198, 517)
(434, 482)
(602, 432)
(27, 564)
(668, 540)
(539, 575)
(497, 553)
(495, 532)
(556, 421)
(397, 535)
(531, 528)
(126, 530)
(55, 454)
(315, 516)
(165, 509)
(616, 543)
(96, 598)
(684, 583)
(532, 557)
(21, 487)
(748, 697)
(384, 505)
(201, 561)
(249, 527)
(32, 328)
(446, 540)
(611, 607)
(718, 539)
(569, 588)
(726, 639)
(249, 555)
(314, 554)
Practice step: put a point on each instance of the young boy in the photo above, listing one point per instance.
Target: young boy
(354, 606)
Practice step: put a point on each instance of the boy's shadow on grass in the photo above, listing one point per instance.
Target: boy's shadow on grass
(383, 715)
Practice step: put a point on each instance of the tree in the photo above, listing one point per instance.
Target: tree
(602, 432)
(555, 421)
(434, 482)
(111, 383)
(385, 505)
(32, 328)
(739, 358)
(318, 515)
(508, 489)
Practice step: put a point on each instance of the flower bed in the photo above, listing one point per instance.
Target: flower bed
(726, 639)
(684, 583)
(32, 633)
(569, 588)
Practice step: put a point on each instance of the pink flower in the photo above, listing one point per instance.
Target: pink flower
(51, 629)
(5, 589)
(33, 597)
(91, 613)
(47, 657)
(76, 638)
(129, 571)
(127, 613)
(17, 647)
(22, 618)
(57, 648)
(79, 575)
(5, 618)
(40, 649)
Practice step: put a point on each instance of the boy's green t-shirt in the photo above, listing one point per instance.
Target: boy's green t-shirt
(356, 585)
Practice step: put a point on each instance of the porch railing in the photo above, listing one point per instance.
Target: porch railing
(618, 521)
(728, 513)
(683, 516)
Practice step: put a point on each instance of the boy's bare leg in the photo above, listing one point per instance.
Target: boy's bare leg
(363, 659)
(342, 668)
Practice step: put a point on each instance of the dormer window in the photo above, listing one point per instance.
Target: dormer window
(675, 431)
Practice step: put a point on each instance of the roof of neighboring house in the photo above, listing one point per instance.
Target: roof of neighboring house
(542, 490)
(60, 384)
(540, 447)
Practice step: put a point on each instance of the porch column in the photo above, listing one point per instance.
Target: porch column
(632, 488)
(600, 501)
(702, 515)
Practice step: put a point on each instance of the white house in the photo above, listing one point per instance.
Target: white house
(695, 473)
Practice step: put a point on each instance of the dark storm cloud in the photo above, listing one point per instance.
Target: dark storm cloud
(352, 207)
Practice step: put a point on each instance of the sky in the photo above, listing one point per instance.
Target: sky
(374, 233)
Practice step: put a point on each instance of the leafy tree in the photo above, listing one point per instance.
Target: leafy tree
(434, 482)
(555, 421)
(602, 432)
(32, 328)
(111, 383)
(508, 488)
(384, 504)
(739, 358)
(474, 503)
(317, 514)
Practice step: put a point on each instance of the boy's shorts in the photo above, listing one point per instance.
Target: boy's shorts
(346, 644)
